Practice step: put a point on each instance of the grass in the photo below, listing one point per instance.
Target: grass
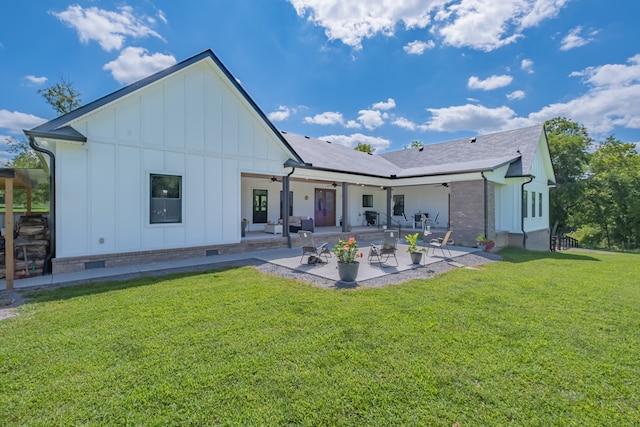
(540, 339)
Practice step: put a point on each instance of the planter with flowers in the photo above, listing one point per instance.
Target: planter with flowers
(484, 243)
(347, 251)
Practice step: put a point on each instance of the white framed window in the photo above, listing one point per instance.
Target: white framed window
(165, 204)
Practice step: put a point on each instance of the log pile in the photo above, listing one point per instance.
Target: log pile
(32, 240)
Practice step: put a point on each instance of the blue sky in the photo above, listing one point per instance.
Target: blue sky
(383, 72)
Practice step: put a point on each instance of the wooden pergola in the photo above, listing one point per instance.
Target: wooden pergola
(10, 180)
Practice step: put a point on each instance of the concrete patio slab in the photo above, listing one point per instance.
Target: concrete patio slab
(366, 271)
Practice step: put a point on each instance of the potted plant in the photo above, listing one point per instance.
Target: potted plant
(416, 254)
(347, 251)
(243, 226)
(484, 243)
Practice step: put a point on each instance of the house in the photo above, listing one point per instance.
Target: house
(171, 165)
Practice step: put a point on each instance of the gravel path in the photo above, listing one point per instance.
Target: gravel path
(10, 300)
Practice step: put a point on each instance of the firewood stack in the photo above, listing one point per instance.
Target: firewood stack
(32, 238)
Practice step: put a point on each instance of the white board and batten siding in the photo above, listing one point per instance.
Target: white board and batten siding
(509, 196)
(192, 123)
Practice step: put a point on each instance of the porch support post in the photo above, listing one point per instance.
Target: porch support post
(389, 207)
(345, 207)
(8, 234)
(284, 214)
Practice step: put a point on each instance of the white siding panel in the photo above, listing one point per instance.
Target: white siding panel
(153, 116)
(174, 162)
(194, 195)
(231, 201)
(128, 120)
(214, 202)
(195, 109)
(102, 196)
(230, 119)
(174, 111)
(72, 215)
(132, 203)
(245, 130)
(102, 125)
(213, 114)
(153, 161)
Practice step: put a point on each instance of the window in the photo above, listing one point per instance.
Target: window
(166, 199)
(290, 203)
(533, 204)
(367, 200)
(539, 204)
(525, 204)
(398, 205)
(260, 206)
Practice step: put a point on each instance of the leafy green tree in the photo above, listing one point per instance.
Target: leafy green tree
(569, 144)
(611, 202)
(25, 157)
(365, 148)
(61, 96)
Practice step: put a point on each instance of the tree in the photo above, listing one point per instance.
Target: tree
(414, 144)
(569, 145)
(365, 148)
(610, 208)
(61, 96)
(25, 157)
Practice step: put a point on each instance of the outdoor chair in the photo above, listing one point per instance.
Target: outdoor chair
(442, 243)
(309, 247)
(386, 249)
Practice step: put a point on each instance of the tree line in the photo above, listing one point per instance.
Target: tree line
(597, 197)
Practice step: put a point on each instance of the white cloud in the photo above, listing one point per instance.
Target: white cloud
(490, 83)
(418, 47)
(389, 104)
(473, 118)
(352, 124)
(574, 39)
(109, 29)
(527, 65)
(355, 20)
(380, 144)
(281, 114)
(163, 17)
(370, 119)
(612, 75)
(16, 121)
(611, 100)
(403, 123)
(326, 118)
(487, 25)
(479, 24)
(516, 94)
(134, 63)
(36, 80)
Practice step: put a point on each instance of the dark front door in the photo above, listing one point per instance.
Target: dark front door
(259, 206)
(325, 208)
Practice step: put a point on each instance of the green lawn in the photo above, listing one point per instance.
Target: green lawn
(539, 339)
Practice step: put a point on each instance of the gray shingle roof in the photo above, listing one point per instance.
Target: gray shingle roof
(515, 147)
(336, 157)
(485, 153)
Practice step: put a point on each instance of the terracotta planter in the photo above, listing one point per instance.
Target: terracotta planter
(348, 272)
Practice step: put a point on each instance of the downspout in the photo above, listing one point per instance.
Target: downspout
(486, 207)
(524, 233)
(52, 202)
(285, 206)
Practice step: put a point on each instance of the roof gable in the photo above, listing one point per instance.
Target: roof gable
(53, 128)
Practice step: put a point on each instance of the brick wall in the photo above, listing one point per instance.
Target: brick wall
(467, 211)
